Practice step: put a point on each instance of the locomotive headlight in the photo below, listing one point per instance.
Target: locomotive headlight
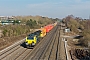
(26, 43)
(33, 43)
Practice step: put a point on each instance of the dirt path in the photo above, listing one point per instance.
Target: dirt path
(62, 49)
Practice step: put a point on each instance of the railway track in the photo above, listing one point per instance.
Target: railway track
(52, 50)
(48, 48)
(18, 53)
(14, 52)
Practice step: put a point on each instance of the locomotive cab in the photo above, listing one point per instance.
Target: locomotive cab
(31, 41)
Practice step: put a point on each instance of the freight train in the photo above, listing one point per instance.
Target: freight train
(33, 38)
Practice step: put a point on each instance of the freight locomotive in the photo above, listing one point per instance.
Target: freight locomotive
(32, 39)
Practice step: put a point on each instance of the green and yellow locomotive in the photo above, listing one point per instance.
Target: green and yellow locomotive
(32, 39)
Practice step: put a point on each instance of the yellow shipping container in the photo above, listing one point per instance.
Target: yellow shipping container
(43, 33)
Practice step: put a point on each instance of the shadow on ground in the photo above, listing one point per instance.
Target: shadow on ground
(24, 45)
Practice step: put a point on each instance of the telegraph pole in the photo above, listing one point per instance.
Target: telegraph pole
(88, 21)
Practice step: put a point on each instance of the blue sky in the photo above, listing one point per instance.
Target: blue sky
(48, 8)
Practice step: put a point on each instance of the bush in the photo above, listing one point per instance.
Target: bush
(15, 30)
(31, 23)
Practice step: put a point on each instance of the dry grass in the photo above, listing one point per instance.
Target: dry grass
(7, 41)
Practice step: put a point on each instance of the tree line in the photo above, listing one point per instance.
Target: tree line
(76, 24)
(25, 26)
